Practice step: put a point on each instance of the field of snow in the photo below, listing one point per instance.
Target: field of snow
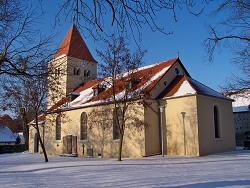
(230, 169)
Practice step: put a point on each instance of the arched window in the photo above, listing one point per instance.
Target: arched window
(58, 127)
(77, 71)
(88, 74)
(85, 73)
(217, 128)
(83, 126)
(117, 114)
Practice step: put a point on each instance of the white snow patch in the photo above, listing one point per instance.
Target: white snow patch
(229, 169)
(185, 89)
(61, 56)
(240, 103)
(153, 78)
(6, 135)
(85, 95)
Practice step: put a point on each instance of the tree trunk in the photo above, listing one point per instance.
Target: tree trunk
(120, 148)
(41, 142)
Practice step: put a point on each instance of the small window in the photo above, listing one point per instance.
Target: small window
(58, 127)
(88, 73)
(176, 70)
(77, 71)
(217, 128)
(83, 127)
(85, 73)
(95, 92)
(57, 72)
(165, 83)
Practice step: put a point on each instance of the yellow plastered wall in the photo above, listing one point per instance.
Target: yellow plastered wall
(100, 133)
(34, 145)
(57, 80)
(181, 126)
(208, 143)
(152, 134)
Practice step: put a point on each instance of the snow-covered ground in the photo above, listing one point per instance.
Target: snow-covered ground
(230, 169)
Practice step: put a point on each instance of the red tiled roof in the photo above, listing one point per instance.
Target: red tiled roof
(40, 119)
(73, 45)
(8, 121)
(173, 87)
(148, 75)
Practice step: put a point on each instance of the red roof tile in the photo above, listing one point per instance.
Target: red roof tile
(148, 79)
(73, 45)
(8, 121)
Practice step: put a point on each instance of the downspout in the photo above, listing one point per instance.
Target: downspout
(161, 132)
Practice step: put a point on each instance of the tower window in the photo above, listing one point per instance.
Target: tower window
(77, 71)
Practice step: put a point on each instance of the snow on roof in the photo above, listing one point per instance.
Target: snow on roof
(41, 120)
(6, 135)
(20, 135)
(205, 90)
(183, 85)
(153, 78)
(241, 100)
(185, 88)
(148, 75)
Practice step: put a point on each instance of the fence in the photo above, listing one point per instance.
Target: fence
(12, 148)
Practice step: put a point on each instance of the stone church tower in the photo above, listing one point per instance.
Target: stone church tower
(72, 65)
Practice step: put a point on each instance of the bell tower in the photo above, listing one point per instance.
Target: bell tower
(71, 65)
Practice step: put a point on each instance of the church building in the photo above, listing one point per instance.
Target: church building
(183, 116)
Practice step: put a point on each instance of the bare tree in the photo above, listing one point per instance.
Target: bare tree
(22, 45)
(27, 94)
(122, 97)
(123, 16)
(233, 34)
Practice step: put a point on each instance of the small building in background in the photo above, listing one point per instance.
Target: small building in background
(241, 114)
(6, 136)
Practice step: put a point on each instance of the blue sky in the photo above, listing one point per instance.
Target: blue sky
(189, 34)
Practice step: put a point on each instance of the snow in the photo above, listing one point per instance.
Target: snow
(241, 101)
(184, 89)
(240, 104)
(152, 79)
(6, 135)
(87, 94)
(202, 89)
(61, 56)
(229, 169)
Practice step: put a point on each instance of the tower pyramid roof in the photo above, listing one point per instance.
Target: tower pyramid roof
(73, 45)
